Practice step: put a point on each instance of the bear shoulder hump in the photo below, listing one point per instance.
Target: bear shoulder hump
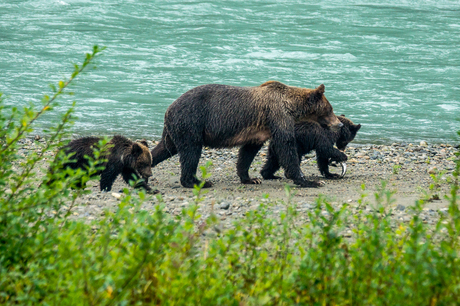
(274, 85)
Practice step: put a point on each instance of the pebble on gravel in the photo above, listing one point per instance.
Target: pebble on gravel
(116, 195)
(224, 205)
(401, 207)
(432, 170)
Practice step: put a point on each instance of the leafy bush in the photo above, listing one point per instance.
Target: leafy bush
(326, 256)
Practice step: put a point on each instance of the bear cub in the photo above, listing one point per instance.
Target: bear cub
(312, 136)
(130, 159)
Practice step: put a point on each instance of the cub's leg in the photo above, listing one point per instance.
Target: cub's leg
(108, 176)
(245, 157)
(323, 162)
(271, 165)
(284, 143)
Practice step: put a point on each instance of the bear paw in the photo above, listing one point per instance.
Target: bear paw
(340, 157)
(207, 184)
(332, 176)
(305, 183)
(252, 181)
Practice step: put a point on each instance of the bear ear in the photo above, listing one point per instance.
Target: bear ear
(320, 89)
(136, 149)
(357, 127)
(342, 115)
(144, 142)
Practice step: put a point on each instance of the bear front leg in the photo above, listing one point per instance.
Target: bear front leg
(108, 177)
(323, 166)
(326, 152)
(271, 165)
(285, 148)
(245, 157)
(189, 158)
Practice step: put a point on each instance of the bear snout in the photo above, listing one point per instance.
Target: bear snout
(331, 121)
(336, 127)
(147, 174)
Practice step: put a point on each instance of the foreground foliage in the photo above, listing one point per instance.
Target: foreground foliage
(133, 256)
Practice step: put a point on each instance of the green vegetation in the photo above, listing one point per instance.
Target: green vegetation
(132, 256)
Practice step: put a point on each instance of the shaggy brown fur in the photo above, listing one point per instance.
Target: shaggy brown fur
(221, 116)
(311, 136)
(130, 159)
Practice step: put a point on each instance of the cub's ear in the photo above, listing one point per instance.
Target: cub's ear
(136, 149)
(320, 89)
(342, 115)
(144, 142)
(356, 127)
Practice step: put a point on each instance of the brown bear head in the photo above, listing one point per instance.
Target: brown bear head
(321, 110)
(140, 159)
(347, 132)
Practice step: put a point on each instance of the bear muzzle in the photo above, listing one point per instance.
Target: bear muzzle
(147, 174)
(336, 127)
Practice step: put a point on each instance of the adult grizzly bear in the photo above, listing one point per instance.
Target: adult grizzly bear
(130, 159)
(221, 116)
(312, 136)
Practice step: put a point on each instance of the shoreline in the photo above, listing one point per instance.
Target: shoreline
(407, 169)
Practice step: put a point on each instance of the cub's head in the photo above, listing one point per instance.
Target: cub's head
(140, 159)
(321, 110)
(347, 132)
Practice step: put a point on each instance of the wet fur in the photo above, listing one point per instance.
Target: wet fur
(311, 136)
(221, 116)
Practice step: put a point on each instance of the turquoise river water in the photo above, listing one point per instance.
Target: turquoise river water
(393, 66)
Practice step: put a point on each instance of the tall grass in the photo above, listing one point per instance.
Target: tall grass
(324, 256)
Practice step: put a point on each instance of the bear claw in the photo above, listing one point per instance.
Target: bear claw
(253, 181)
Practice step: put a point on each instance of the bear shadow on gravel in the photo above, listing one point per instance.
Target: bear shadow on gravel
(221, 116)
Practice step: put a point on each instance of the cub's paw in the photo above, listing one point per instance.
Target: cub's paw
(196, 183)
(340, 157)
(343, 157)
(207, 184)
(310, 184)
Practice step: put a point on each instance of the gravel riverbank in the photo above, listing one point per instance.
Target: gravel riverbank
(405, 167)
